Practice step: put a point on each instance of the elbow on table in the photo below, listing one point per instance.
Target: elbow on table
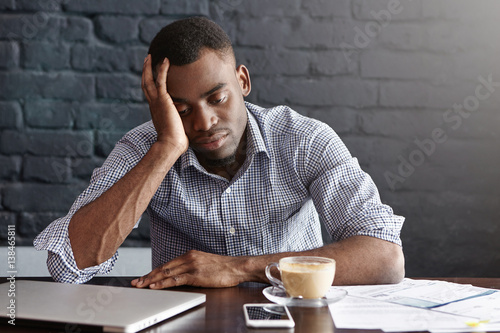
(393, 267)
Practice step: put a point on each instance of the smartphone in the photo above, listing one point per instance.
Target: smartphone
(267, 315)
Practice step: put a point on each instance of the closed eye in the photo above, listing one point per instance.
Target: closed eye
(218, 101)
(182, 109)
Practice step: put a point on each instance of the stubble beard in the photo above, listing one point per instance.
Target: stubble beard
(221, 162)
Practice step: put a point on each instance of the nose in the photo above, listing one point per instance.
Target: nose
(204, 119)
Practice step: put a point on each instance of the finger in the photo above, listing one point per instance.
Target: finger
(134, 282)
(144, 84)
(147, 83)
(163, 272)
(161, 79)
(173, 281)
(144, 281)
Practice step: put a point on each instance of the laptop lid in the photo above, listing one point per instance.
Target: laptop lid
(115, 309)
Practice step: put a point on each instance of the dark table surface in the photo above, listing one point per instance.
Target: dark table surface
(222, 311)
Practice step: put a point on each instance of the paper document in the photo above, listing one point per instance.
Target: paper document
(419, 305)
(484, 308)
(362, 313)
(419, 293)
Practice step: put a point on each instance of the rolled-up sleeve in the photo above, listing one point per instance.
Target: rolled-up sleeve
(54, 238)
(346, 198)
(60, 260)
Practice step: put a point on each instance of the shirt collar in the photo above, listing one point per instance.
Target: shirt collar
(255, 144)
(255, 140)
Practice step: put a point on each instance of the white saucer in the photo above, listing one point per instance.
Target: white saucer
(279, 296)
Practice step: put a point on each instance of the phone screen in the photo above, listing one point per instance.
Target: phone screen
(269, 312)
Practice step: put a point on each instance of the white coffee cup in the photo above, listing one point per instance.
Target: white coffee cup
(306, 277)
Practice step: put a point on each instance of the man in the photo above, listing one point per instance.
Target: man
(229, 186)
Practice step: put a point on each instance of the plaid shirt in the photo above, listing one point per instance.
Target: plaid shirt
(296, 173)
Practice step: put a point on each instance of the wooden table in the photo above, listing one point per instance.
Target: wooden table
(222, 311)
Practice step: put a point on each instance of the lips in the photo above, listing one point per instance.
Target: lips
(211, 142)
(209, 139)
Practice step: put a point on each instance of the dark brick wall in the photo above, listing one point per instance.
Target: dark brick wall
(404, 82)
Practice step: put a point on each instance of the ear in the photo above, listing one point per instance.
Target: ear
(243, 77)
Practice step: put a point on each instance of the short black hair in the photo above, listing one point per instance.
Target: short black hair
(182, 41)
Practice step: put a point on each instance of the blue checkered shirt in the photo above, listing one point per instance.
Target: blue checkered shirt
(297, 173)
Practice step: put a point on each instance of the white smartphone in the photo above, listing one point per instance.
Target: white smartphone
(267, 315)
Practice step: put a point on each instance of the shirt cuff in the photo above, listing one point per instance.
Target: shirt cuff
(60, 261)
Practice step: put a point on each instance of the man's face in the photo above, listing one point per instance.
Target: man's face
(209, 97)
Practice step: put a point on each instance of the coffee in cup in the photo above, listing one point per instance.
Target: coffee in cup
(306, 277)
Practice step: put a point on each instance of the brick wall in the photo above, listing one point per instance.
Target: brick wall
(412, 86)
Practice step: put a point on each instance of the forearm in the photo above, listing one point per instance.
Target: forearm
(359, 260)
(99, 228)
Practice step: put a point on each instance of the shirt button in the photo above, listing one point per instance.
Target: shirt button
(228, 190)
(232, 231)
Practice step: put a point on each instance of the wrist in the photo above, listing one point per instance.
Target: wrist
(169, 148)
(252, 269)
(161, 157)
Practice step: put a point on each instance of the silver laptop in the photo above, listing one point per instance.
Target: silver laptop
(114, 309)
